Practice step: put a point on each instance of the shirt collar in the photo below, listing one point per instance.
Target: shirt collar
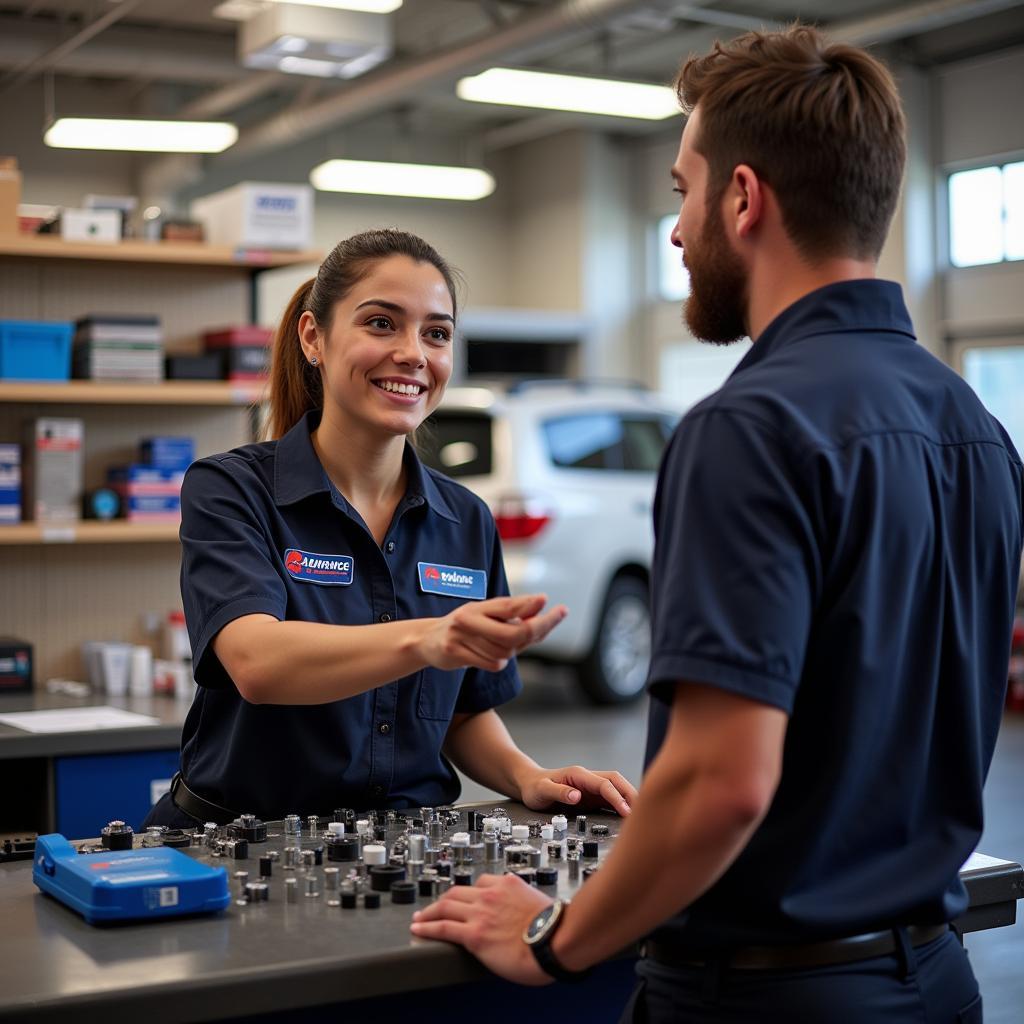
(298, 473)
(865, 305)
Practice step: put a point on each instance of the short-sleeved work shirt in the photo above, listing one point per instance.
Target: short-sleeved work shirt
(838, 534)
(249, 518)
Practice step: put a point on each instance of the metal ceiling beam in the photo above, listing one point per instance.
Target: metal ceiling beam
(50, 59)
(380, 90)
(914, 19)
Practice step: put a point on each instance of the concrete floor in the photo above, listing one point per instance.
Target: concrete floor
(553, 724)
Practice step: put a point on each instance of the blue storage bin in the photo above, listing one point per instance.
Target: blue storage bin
(35, 349)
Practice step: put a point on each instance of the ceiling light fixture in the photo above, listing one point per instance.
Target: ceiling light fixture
(549, 91)
(138, 136)
(368, 6)
(421, 181)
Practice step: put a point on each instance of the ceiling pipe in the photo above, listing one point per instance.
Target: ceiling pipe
(907, 21)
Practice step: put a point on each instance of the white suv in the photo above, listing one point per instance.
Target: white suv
(568, 469)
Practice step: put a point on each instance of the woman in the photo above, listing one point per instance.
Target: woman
(348, 611)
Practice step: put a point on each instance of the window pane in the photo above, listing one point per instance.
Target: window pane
(592, 441)
(1013, 198)
(997, 375)
(456, 443)
(673, 277)
(976, 217)
(643, 442)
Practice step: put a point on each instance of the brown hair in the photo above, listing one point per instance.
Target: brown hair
(819, 122)
(295, 386)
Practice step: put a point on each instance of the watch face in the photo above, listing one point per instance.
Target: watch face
(541, 923)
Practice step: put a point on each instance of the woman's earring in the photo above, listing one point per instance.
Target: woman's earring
(313, 361)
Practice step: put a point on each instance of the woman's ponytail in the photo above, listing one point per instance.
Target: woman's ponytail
(295, 386)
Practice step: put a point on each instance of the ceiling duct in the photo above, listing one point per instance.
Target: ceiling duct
(315, 41)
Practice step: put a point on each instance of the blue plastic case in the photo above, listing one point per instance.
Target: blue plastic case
(124, 885)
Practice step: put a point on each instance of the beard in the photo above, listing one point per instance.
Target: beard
(715, 311)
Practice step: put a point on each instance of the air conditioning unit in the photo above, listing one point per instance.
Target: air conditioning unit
(315, 41)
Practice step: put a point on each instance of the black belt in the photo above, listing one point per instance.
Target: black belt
(192, 804)
(815, 954)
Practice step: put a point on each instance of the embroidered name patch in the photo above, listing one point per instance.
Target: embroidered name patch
(330, 570)
(452, 581)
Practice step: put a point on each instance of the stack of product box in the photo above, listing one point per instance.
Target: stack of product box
(10, 483)
(119, 348)
(244, 351)
(150, 490)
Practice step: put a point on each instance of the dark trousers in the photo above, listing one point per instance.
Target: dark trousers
(933, 984)
(165, 812)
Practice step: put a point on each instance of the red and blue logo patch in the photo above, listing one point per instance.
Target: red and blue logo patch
(328, 570)
(452, 581)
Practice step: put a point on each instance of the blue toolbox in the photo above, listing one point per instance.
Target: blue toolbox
(123, 885)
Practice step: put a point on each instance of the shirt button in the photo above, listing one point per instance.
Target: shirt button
(385, 617)
(391, 546)
(384, 728)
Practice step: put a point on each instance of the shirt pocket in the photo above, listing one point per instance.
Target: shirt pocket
(438, 692)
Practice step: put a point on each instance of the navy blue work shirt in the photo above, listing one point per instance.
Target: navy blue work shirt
(838, 534)
(245, 514)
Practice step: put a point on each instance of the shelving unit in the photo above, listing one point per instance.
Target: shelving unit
(63, 585)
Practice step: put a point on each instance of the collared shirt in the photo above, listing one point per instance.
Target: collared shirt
(264, 531)
(838, 534)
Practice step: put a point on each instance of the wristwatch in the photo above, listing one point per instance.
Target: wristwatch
(538, 935)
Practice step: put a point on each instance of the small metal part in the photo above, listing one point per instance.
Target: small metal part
(242, 878)
(332, 879)
(475, 854)
(209, 833)
(444, 884)
(528, 875)
(590, 849)
(474, 821)
(518, 855)
(116, 835)
(257, 892)
(266, 867)
(581, 824)
(547, 876)
(535, 828)
(492, 849)
(250, 828)
(371, 900)
(462, 876)
(291, 858)
(348, 900)
(291, 890)
(428, 886)
(560, 824)
(403, 892)
(292, 825)
(554, 851)
(154, 836)
(598, 830)
(311, 887)
(534, 858)
(382, 876)
(417, 847)
(436, 829)
(573, 859)
(547, 832)
(413, 869)
(444, 868)
(236, 849)
(313, 823)
(308, 860)
(520, 833)
(345, 814)
(589, 872)
(571, 843)
(318, 855)
(176, 838)
(342, 848)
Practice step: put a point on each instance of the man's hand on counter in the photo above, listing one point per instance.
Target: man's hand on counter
(576, 786)
(489, 919)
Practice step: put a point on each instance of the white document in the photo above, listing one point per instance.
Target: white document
(76, 720)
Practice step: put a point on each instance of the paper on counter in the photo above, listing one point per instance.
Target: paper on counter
(76, 720)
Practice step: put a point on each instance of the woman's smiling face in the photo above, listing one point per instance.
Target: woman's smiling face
(387, 356)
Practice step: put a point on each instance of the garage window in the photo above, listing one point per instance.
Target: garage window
(997, 375)
(986, 215)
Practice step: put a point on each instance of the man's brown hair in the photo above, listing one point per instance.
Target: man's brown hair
(821, 123)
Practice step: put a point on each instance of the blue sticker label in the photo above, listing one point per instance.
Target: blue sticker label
(453, 581)
(330, 570)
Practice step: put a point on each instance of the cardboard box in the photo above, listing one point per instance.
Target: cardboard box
(90, 225)
(10, 195)
(10, 483)
(53, 469)
(15, 666)
(258, 215)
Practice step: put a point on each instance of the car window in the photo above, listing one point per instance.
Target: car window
(457, 443)
(644, 440)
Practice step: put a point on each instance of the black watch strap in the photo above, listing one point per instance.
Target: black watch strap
(548, 962)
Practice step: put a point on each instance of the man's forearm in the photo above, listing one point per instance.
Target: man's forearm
(480, 745)
(681, 837)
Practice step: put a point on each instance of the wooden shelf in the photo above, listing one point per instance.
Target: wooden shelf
(87, 532)
(171, 392)
(167, 253)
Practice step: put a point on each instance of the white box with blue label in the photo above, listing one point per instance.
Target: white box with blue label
(258, 215)
(10, 483)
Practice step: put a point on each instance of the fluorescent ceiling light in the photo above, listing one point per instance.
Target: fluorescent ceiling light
(141, 136)
(369, 6)
(569, 92)
(424, 181)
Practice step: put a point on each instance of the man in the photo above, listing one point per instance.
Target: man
(838, 535)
